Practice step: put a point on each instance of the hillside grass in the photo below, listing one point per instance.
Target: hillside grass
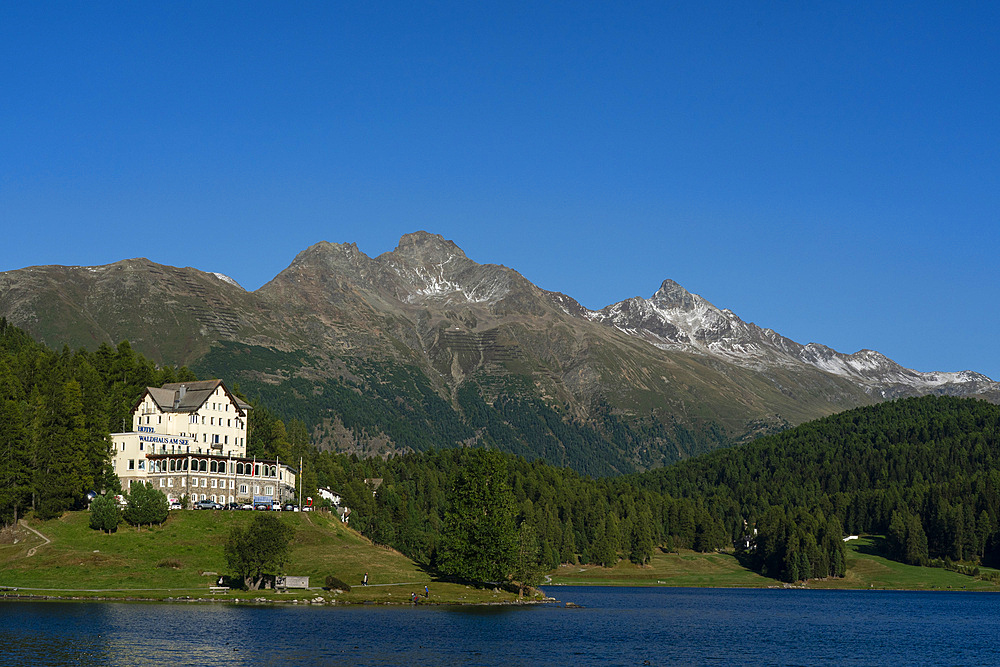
(184, 557)
(865, 570)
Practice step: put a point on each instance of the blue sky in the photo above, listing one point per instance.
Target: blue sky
(830, 171)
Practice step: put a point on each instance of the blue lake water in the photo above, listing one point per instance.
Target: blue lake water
(616, 626)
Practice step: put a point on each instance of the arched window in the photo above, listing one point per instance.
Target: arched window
(204, 465)
(239, 468)
(185, 464)
(172, 465)
(213, 467)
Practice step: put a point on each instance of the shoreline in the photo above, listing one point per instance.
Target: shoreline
(16, 595)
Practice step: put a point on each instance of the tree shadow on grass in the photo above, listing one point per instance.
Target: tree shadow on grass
(879, 547)
(440, 577)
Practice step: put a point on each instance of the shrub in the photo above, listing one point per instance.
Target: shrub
(333, 582)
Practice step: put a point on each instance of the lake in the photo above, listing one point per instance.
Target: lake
(616, 626)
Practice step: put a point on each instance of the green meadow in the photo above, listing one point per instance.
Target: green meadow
(184, 557)
(865, 570)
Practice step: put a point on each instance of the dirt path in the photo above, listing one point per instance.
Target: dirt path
(32, 550)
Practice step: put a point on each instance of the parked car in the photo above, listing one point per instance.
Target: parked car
(262, 506)
(289, 507)
(175, 504)
(233, 506)
(246, 506)
(207, 505)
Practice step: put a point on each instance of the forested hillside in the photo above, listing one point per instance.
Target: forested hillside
(56, 412)
(925, 471)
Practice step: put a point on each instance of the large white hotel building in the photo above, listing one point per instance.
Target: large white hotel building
(191, 438)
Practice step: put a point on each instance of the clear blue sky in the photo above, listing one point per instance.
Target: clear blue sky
(831, 171)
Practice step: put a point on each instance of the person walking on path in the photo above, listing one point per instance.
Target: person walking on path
(427, 592)
(364, 582)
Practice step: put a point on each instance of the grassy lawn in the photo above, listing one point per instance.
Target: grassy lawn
(866, 569)
(179, 559)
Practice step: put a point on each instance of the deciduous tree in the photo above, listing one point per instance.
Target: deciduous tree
(257, 550)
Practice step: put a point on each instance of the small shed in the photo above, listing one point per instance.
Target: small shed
(286, 582)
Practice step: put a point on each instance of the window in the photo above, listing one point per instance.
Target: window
(203, 496)
(131, 464)
(193, 419)
(141, 445)
(243, 489)
(268, 490)
(163, 482)
(142, 464)
(170, 482)
(229, 423)
(211, 421)
(123, 446)
(159, 419)
(232, 483)
(216, 439)
(213, 484)
(147, 419)
(226, 441)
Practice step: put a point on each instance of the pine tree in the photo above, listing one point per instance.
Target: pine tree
(527, 570)
(105, 515)
(146, 505)
(61, 478)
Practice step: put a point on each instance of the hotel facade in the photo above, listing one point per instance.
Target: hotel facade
(190, 439)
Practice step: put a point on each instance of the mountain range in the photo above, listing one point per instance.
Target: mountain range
(423, 347)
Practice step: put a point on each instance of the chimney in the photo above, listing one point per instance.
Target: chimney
(179, 396)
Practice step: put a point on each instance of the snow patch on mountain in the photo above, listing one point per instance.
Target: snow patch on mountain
(675, 319)
(226, 279)
(442, 282)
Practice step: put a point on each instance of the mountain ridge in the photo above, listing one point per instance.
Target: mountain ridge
(423, 329)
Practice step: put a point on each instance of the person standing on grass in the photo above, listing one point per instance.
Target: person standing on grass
(364, 582)
(427, 592)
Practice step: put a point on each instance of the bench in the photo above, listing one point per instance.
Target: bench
(218, 589)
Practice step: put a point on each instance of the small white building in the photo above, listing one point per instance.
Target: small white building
(332, 496)
(190, 438)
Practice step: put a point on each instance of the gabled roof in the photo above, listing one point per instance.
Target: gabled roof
(188, 396)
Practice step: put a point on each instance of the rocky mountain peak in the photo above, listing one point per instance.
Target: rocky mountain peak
(673, 296)
(426, 248)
